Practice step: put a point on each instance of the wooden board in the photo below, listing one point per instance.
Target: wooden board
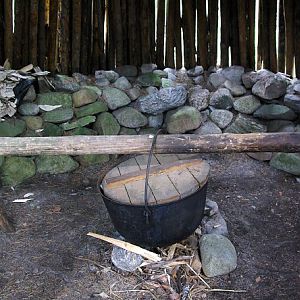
(171, 178)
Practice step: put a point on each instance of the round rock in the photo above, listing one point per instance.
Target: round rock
(130, 117)
(183, 119)
(28, 109)
(198, 97)
(222, 99)
(247, 104)
(221, 117)
(218, 255)
(125, 260)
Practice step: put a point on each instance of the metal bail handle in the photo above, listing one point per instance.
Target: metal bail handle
(147, 211)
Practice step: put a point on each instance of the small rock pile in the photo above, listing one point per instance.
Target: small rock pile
(132, 101)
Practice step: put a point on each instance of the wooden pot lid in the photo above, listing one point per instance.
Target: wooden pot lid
(172, 177)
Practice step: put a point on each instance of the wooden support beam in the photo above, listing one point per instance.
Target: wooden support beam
(126, 144)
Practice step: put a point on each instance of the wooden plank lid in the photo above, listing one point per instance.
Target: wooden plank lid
(172, 177)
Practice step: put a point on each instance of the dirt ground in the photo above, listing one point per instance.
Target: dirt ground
(50, 257)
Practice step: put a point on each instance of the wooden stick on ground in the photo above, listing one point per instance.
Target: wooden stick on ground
(127, 246)
(128, 144)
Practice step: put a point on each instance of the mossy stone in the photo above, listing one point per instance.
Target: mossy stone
(33, 122)
(59, 115)
(92, 159)
(55, 98)
(15, 170)
(51, 129)
(55, 164)
(91, 109)
(12, 127)
(106, 124)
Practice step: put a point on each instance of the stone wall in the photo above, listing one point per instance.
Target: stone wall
(132, 101)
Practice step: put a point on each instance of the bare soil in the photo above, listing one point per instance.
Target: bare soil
(50, 257)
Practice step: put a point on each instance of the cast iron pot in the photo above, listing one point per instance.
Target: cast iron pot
(157, 225)
(165, 224)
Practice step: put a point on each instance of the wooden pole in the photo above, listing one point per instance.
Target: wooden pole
(86, 51)
(266, 34)
(160, 42)
(251, 24)
(52, 54)
(144, 32)
(65, 36)
(177, 33)
(76, 35)
(234, 34)
(289, 35)
(297, 38)
(213, 31)
(225, 24)
(260, 37)
(126, 144)
(170, 34)
(242, 32)
(1, 32)
(202, 34)
(42, 34)
(33, 35)
(18, 35)
(117, 31)
(272, 35)
(8, 33)
(281, 39)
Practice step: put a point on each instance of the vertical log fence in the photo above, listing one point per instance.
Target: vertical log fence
(69, 36)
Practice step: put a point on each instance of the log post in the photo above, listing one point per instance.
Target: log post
(65, 36)
(52, 54)
(213, 31)
(297, 38)
(76, 35)
(42, 34)
(281, 39)
(128, 144)
(170, 34)
(202, 34)
(8, 33)
(289, 35)
(160, 33)
(242, 32)
(272, 35)
(225, 24)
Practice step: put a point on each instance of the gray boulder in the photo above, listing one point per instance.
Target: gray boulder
(293, 102)
(296, 88)
(148, 68)
(28, 109)
(161, 73)
(281, 126)
(249, 79)
(198, 97)
(55, 98)
(134, 93)
(65, 83)
(194, 72)
(288, 162)
(222, 99)
(84, 97)
(125, 260)
(214, 224)
(155, 121)
(275, 112)
(218, 255)
(208, 128)
(130, 117)
(234, 74)
(245, 124)
(111, 76)
(151, 90)
(216, 80)
(221, 117)
(247, 104)
(122, 83)
(115, 98)
(183, 119)
(270, 87)
(165, 99)
(236, 90)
